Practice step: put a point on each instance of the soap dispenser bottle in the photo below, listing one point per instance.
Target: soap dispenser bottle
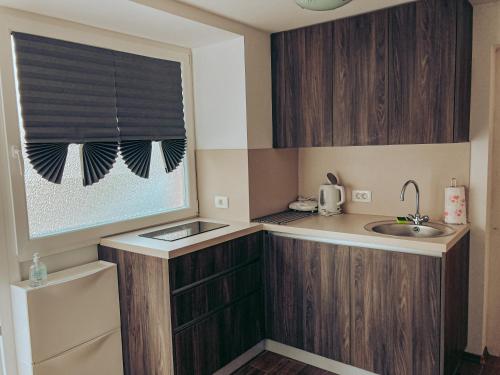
(38, 272)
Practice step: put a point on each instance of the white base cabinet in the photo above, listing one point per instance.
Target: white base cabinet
(70, 325)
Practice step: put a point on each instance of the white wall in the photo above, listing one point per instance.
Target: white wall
(220, 96)
(257, 67)
(486, 37)
(493, 276)
(2, 369)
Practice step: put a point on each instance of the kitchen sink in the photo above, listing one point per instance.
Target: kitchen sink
(425, 230)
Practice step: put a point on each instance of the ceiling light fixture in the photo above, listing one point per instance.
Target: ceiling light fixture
(321, 4)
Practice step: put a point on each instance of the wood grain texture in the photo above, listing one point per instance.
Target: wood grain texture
(272, 363)
(307, 296)
(204, 299)
(463, 71)
(200, 265)
(212, 343)
(302, 86)
(279, 83)
(145, 311)
(455, 299)
(395, 312)
(217, 304)
(396, 76)
(360, 80)
(422, 61)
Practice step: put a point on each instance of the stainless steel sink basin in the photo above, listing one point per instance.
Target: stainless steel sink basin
(426, 230)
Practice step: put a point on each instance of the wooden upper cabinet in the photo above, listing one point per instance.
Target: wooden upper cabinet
(302, 87)
(422, 62)
(360, 80)
(463, 71)
(396, 76)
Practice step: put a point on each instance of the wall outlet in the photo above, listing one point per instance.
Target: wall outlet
(364, 196)
(221, 201)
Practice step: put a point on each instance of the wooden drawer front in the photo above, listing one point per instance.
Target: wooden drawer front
(191, 268)
(198, 302)
(205, 347)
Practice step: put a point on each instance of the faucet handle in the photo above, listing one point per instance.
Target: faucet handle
(425, 219)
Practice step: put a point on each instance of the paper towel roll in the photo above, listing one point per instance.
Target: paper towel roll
(455, 211)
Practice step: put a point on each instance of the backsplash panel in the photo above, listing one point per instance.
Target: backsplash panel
(383, 170)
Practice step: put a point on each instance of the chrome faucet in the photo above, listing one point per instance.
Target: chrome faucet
(417, 219)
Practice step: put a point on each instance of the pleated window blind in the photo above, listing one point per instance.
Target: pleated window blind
(104, 100)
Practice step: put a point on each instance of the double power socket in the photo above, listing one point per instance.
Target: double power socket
(364, 196)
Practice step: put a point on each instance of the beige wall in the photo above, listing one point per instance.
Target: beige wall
(493, 295)
(223, 172)
(273, 178)
(222, 165)
(383, 170)
(486, 35)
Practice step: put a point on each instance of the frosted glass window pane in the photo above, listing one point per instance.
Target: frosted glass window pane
(120, 196)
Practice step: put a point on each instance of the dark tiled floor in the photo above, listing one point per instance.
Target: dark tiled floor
(270, 363)
(491, 367)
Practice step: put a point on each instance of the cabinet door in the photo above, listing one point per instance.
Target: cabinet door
(463, 71)
(360, 80)
(205, 347)
(302, 87)
(307, 296)
(395, 312)
(422, 58)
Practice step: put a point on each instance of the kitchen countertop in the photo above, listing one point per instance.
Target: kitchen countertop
(164, 249)
(347, 229)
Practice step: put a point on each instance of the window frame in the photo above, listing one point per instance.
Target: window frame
(78, 33)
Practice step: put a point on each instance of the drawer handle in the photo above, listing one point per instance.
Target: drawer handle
(186, 288)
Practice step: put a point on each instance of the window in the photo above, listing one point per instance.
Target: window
(136, 191)
(56, 208)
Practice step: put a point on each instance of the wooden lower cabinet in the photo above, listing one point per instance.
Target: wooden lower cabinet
(192, 314)
(207, 346)
(307, 296)
(395, 312)
(387, 312)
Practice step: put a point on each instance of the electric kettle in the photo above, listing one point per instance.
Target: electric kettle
(331, 198)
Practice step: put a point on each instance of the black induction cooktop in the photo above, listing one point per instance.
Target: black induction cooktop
(182, 231)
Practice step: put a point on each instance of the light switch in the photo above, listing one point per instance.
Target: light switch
(221, 201)
(364, 196)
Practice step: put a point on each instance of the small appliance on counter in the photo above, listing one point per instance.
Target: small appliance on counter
(455, 206)
(331, 197)
(304, 204)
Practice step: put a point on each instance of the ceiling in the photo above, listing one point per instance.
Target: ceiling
(132, 18)
(279, 15)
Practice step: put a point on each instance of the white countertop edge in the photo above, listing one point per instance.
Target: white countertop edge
(232, 231)
(352, 243)
(168, 250)
(371, 241)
